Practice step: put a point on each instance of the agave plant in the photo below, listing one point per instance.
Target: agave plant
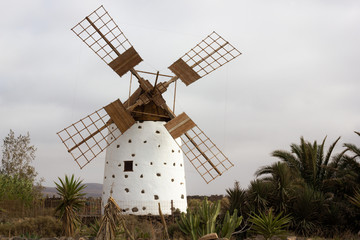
(230, 223)
(203, 220)
(71, 192)
(269, 225)
(189, 223)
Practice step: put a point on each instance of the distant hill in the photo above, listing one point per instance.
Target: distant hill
(92, 190)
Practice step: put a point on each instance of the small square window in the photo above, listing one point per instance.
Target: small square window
(128, 166)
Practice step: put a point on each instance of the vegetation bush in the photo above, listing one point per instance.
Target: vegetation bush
(204, 219)
(42, 226)
(269, 225)
(317, 188)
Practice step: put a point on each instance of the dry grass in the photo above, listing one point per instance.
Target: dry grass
(42, 226)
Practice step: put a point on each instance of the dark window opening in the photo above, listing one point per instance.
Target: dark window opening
(128, 166)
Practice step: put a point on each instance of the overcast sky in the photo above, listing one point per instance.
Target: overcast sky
(298, 75)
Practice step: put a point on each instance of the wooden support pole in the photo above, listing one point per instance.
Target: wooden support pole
(164, 223)
(174, 96)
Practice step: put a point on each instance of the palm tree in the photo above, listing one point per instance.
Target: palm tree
(308, 160)
(353, 148)
(356, 198)
(71, 192)
(237, 198)
(259, 194)
(353, 161)
(343, 173)
(283, 181)
(306, 210)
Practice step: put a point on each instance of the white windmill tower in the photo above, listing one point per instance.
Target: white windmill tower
(144, 140)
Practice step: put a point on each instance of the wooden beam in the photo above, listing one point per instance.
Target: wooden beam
(184, 72)
(90, 136)
(179, 125)
(125, 62)
(203, 154)
(122, 118)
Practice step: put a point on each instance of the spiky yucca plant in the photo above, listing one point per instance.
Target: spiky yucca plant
(71, 192)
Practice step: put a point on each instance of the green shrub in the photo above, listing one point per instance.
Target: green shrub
(204, 220)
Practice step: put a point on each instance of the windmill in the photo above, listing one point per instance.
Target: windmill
(144, 140)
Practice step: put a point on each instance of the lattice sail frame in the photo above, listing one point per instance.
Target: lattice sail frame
(207, 147)
(104, 22)
(90, 136)
(210, 54)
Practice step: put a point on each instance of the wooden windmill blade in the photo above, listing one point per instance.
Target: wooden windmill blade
(99, 31)
(91, 135)
(204, 155)
(207, 56)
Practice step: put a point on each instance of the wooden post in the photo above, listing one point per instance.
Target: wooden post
(164, 223)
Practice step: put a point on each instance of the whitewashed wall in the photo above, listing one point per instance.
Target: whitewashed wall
(158, 171)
